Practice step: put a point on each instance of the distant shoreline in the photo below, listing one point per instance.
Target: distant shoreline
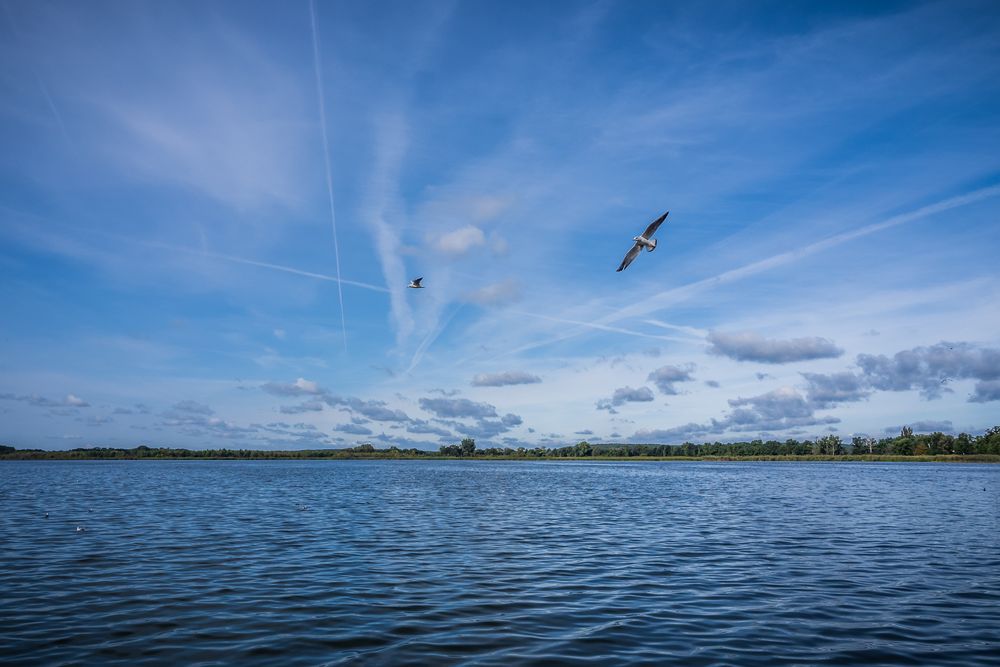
(273, 456)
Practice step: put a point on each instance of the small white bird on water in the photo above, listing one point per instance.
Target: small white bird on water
(81, 529)
(643, 241)
(415, 283)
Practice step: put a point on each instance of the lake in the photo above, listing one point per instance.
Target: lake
(499, 563)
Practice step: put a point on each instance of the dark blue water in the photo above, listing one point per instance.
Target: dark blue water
(495, 563)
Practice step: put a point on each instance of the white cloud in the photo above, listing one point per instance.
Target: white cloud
(749, 346)
(460, 241)
(301, 387)
(504, 379)
(75, 401)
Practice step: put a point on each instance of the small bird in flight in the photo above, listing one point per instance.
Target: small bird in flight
(415, 283)
(643, 242)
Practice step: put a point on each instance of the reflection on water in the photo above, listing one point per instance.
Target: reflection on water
(423, 562)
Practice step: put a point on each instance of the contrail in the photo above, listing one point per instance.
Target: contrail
(242, 260)
(676, 294)
(602, 327)
(418, 355)
(202, 252)
(286, 269)
(682, 292)
(326, 161)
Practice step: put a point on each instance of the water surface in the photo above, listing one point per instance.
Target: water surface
(498, 563)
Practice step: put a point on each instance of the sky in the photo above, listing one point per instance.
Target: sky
(210, 212)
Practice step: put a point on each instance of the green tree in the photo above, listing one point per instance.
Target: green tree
(468, 447)
(862, 445)
(830, 445)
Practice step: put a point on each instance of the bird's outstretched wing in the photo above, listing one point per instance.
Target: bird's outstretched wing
(416, 282)
(632, 254)
(654, 225)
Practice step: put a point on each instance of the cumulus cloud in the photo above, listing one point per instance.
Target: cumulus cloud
(495, 294)
(197, 419)
(784, 403)
(664, 377)
(301, 387)
(485, 428)
(368, 409)
(511, 420)
(630, 395)
(460, 241)
(929, 368)
(986, 391)
(825, 391)
(458, 408)
(777, 410)
(625, 395)
(748, 346)
(504, 379)
(75, 401)
(374, 410)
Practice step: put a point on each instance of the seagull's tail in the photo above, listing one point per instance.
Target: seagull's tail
(651, 248)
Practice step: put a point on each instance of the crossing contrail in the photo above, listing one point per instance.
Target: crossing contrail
(326, 161)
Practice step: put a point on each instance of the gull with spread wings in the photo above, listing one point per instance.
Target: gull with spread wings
(643, 242)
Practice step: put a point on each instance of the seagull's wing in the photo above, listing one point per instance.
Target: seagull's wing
(654, 225)
(416, 281)
(632, 254)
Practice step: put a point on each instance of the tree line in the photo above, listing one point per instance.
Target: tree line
(905, 444)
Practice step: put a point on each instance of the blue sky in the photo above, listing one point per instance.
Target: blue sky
(170, 259)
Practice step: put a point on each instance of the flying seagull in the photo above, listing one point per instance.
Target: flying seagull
(415, 283)
(643, 242)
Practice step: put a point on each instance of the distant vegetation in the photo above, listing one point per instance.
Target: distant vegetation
(905, 446)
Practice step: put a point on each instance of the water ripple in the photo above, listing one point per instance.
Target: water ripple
(499, 563)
